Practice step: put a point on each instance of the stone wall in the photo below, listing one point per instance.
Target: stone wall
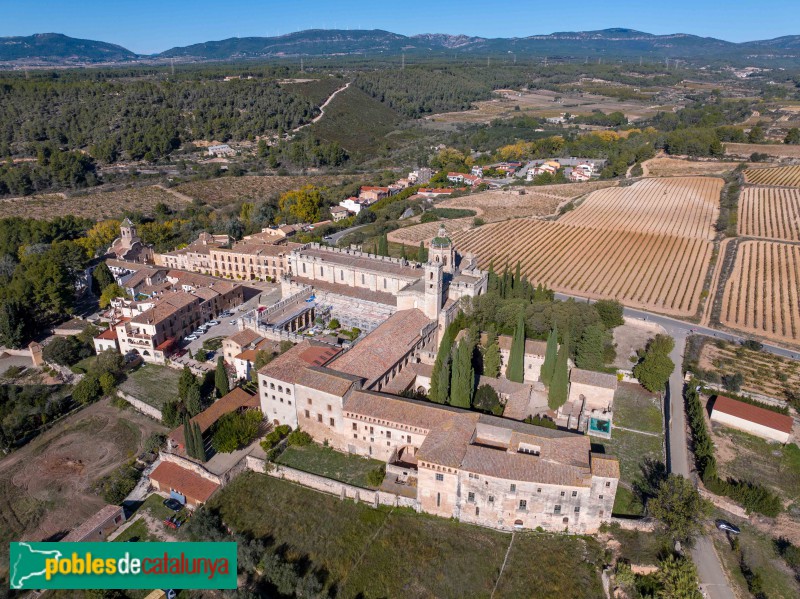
(332, 487)
(140, 406)
(197, 468)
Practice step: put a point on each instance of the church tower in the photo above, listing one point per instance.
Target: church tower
(434, 290)
(442, 251)
(128, 233)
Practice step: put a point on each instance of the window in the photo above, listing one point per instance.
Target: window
(362, 279)
(438, 499)
(341, 275)
(319, 417)
(408, 438)
(577, 509)
(557, 509)
(309, 401)
(371, 430)
(330, 409)
(304, 268)
(388, 434)
(608, 484)
(384, 283)
(355, 436)
(523, 504)
(491, 498)
(355, 426)
(471, 497)
(280, 389)
(565, 521)
(513, 488)
(321, 271)
(272, 385)
(574, 493)
(439, 477)
(333, 421)
(308, 414)
(562, 493)
(600, 497)
(288, 391)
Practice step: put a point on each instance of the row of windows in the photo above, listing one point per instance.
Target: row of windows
(513, 487)
(280, 389)
(523, 504)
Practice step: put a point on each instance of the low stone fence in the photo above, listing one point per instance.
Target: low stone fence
(643, 524)
(140, 406)
(332, 487)
(724, 504)
(194, 467)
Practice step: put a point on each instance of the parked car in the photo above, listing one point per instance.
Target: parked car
(234, 321)
(212, 323)
(727, 526)
(191, 337)
(173, 504)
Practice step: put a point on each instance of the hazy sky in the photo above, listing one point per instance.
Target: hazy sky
(146, 26)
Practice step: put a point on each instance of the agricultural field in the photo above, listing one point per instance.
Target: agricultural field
(153, 384)
(784, 176)
(764, 373)
(675, 167)
(227, 190)
(647, 245)
(95, 204)
(762, 295)
(770, 213)
(776, 150)
(411, 236)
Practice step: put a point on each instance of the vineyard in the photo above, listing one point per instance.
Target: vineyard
(411, 236)
(770, 213)
(784, 176)
(647, 245)
(762, 295)
(682, 206)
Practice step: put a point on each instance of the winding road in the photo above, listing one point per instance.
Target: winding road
(322, 108)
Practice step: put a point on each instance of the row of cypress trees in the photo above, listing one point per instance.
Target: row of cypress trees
(195, 447)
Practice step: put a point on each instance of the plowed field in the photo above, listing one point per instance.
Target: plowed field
(647, 245)
(770, 213)
(784, 176)
(762, 295)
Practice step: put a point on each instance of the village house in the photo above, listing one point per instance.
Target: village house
(589, 406)
(533, 359)
(420, 176)
(221, 151)
(99, 526)
(248, 261)
(195, 257)
(755, 420)
(129, 247)
(244, 362)
(431, 192)
(339, 213)
(238, 342)
(186, 486)
(372, 194)
(353, 205)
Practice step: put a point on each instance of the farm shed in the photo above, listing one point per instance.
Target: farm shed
(182, 484)
(98, 527)
(752, 419)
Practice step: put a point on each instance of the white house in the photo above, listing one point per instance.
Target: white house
(752, 419)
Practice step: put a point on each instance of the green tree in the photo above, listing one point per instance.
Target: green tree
(677, 576)
(440, 377)
(186, 381)
(109, 293)
(102, 277)
(14, 328)
(87, 390)
(221, 378)
(304, 204)
(486, 400)
(491, 359)
(192, 400)
(463, 378)
(590, 348)
(792, 136)
(235, 430)
(756, 135)
(679, 508)
(655, 366)
(171, 413)
(263, 357)
(559, 385)
(610, 312)
(383, 245)
(107, 382)
(550, 354)
(65, 351)
(515, 371)
(422, 253)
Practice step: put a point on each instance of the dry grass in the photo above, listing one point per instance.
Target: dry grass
(227, 190)
(771, 213)
(785, 176)
(779, 150)
(674, 167)
(762, 295)
(95, 205)
(647, 245)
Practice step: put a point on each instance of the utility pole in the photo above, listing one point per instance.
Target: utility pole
(640, 61)
(404, 61)
(301, 65)
(172, 65)
(487, 61)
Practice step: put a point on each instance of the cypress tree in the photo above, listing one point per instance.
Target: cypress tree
(515, 371)
(422, 255)
(198, 439)
(463, 381)
(187, 437)
(440, 377)
(548, 367)
(221, 378)
(559, 385)
(491, 357)
(517, 282)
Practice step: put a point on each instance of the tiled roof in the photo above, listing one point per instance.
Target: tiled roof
(378, 297)
(184, 481)
(319, 355)
(596, 379)
(244, 337)
(605, 465)
(522, 467)
(288, 365)
(105, 514)
(363, 263)
(447, 443)
(379, 351)
(751, 413)
(166, 307)
(326, 380)
(110, 333)
(238, 398)
(400, 410)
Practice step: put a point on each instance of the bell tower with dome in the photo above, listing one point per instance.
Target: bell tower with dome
(442, 252)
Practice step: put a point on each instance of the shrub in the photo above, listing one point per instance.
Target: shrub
(542, 421)
(154, 442)
(334, 323)
(114, 487)
(486, 400)
(375, 477)
(201, 355)
(428, 217)
(275, 437)
(236, 430)
(299, 438)
(88, 390)
(107, 382)
(66, 351)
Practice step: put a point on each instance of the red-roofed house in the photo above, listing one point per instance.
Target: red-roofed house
(752, 419)
(182, 484)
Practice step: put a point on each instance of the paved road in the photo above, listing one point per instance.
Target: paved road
(335, 237)
(712, 577)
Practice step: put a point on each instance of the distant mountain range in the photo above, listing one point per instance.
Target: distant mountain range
(58, 49)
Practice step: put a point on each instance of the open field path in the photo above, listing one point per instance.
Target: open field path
(181, 196)
(712, 291)
(322, 108)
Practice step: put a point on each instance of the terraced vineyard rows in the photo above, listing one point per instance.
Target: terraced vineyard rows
(647, 245)
(762, 295)
(770, 213)
(786, 176)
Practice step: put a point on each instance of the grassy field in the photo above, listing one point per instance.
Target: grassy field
(632, 449)
(152, 384)
(760, 555)
(398, 553)
(638, 409)
(326, 462)
(751, 458)
(356, 121)
(639, 547)
(316, 90)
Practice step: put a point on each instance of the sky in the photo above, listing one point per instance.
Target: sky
(147, 26)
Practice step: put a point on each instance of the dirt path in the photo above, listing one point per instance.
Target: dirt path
(322, 108)
(713, 288)
(181, 196)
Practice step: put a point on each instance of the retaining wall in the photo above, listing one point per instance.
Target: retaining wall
(140, 406)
